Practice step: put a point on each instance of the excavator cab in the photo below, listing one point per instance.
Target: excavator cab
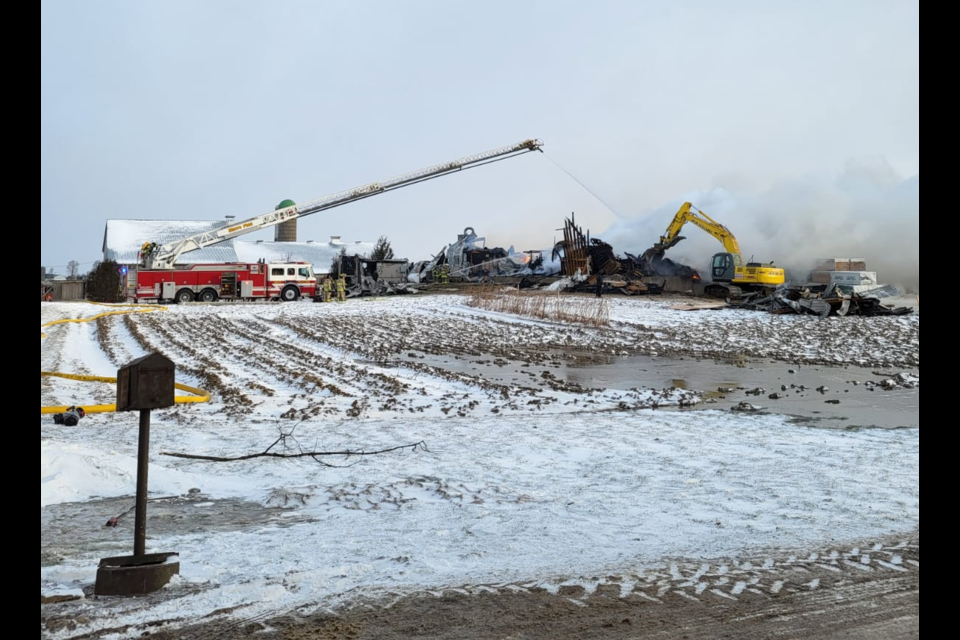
(724, 267)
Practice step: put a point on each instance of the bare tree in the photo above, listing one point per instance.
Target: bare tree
(73, 269)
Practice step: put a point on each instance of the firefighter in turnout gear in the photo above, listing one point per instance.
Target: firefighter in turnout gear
(148, 249)
(327, 290)
(342, 288)
(445, 274)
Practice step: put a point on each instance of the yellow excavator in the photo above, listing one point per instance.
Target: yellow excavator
(732, 279)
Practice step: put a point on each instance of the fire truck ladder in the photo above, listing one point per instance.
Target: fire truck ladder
(165, 256)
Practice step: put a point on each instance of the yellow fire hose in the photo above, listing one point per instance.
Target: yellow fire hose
(101, 315)
(199, 395)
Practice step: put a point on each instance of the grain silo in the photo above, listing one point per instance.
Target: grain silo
(285, 231)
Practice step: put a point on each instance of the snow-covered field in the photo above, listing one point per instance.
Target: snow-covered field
(545, 482)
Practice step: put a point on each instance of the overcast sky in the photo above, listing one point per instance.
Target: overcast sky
(202, 109)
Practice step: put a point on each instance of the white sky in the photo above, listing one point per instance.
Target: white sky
(187, 110)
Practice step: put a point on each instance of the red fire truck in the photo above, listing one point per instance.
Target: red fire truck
(288, 281)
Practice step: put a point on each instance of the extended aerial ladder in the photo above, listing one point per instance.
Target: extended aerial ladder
(156, 256)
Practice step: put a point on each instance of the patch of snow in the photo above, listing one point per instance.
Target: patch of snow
(560, 285)
(76, 472)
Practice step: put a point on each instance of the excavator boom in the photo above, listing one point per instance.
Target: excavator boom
(689, 213)
(729, 273)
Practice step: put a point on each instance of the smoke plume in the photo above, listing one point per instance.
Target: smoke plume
(866, 211)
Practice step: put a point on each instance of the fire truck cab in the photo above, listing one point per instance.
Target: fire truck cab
(287, 281)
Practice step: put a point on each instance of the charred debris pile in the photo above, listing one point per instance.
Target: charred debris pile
(828, 300)
(835, 287)
(577, 263)
(590, 263)
(470, 260)
(583, 264)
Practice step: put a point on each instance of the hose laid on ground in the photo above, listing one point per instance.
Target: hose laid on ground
(199, 395)
(139, 309)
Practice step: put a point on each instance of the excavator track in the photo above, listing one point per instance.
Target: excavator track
(724, 292)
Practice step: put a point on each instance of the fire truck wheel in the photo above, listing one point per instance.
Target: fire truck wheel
(184, 295)
(208, 295)
(290, 294)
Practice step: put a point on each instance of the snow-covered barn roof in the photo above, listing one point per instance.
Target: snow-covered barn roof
(122, 240)
(319, 254)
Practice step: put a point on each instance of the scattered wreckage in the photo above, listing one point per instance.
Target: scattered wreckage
(836, 287)
(827, 300)
(470, 260)
(579, 263)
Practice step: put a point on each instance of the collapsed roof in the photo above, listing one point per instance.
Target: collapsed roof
(470, 259)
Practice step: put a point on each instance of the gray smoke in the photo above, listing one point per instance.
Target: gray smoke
(867, 212)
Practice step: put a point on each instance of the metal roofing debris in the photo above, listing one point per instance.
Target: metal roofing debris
(469, 259)
(828, 300)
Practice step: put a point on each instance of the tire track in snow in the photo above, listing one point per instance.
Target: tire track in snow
(767, 579)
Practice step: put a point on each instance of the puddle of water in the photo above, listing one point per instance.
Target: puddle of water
(80, 527)
(844, 404)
